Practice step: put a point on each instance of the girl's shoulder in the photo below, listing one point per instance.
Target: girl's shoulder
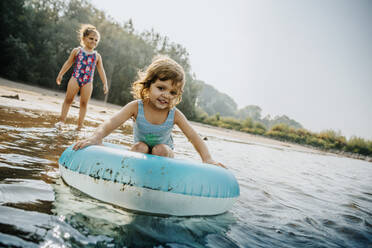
(178, 115)
(97, 55)
(177, 111)
(133, 105)
(132, 108)
(76, 49)
(134, 102)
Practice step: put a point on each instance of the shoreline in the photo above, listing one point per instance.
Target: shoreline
(31, 97)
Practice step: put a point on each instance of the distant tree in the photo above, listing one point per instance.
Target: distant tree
(269, 122)
(212, 101)
(251, 111)
(13, 46)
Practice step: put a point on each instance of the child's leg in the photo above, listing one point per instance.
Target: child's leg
(72, 90)
(140, 147)
(162, 150)
(85, 93)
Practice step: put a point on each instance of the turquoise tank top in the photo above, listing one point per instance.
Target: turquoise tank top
(153, 134)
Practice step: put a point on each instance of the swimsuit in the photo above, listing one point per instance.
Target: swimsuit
(153, 134)
(85, 63)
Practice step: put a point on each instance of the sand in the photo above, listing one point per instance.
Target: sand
(30, 97)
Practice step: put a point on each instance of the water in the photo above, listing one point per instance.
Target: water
(288, 198)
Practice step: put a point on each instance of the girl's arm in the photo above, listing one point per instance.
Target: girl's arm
(199, 145)
(102, 73)
(67, 65)
(110, 125)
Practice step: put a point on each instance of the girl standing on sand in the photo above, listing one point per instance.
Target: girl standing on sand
(85, 60)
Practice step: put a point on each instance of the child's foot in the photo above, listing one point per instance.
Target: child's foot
(59, 125)
(78, 128)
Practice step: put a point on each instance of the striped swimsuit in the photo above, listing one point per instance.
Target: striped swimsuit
(153, 134)
(85, 64)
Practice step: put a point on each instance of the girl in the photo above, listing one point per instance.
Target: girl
(85, 59)
(158, 90)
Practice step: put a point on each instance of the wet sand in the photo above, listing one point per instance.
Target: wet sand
(30, 97)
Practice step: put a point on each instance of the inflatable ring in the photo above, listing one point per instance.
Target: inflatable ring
(149, 183)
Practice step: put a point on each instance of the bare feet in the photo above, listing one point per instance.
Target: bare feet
(59, 125)
(79, 127)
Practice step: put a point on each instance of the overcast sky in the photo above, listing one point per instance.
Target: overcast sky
(310, 60)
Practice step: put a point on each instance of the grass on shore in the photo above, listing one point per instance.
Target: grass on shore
(327, 140)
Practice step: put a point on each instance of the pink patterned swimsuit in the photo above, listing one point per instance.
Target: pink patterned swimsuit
(85, 64)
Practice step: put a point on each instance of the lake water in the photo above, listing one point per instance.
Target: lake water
(288, 198)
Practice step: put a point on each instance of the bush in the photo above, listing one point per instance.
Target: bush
(314, 141)
(252, 130)
(260, 127)
(248, 123)
(200, 115)
(230, 123)
(334, 140)
(281, 128)
(328, 139)
(359, 145)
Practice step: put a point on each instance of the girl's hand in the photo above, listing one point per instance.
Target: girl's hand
(87, 142)
(105, 89)
(211, 161)
(59, 79)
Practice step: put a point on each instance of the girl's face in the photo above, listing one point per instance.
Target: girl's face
(91, 40)
(163, 93)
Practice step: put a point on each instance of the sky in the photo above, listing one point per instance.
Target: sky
(309, 60)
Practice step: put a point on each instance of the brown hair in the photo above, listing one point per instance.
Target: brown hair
(162, 68)
(85, 30)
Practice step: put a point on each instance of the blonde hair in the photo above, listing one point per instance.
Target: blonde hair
(162, 68)
(85, 30)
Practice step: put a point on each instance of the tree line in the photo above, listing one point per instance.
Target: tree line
(37, 37)
(249, 119)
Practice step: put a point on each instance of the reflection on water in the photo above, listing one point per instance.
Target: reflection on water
(288, 198)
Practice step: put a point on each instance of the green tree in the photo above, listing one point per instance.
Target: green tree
(13, 48)
(212, 101)
(251, 111)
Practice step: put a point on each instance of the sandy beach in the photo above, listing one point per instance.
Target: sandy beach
(30, 97)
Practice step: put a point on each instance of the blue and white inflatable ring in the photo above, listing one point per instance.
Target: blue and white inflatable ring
(148, 183)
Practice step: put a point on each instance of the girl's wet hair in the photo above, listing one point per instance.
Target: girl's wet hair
(85, 30)
(162, 68)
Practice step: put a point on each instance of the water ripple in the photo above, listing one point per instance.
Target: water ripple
(288, 198)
